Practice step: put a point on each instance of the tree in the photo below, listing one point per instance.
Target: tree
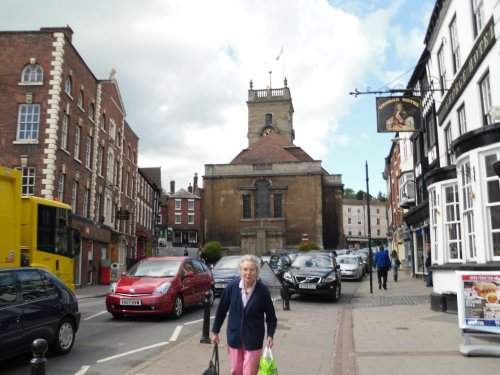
(360, 195)
(381, 197)
(349, 193)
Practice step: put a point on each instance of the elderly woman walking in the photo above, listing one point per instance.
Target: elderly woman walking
(251, 311)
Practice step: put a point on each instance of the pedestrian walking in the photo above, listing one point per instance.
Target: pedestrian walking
(251, 314)
(383, 264)
(186, 253)
(428, 265)
(395, 263)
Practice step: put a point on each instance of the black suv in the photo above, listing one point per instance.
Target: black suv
(314, 272)
(280, 263)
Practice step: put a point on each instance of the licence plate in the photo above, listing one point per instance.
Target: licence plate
(307, 286)
(220, 286)
(130, 302)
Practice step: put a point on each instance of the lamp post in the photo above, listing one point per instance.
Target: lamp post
(369, 227)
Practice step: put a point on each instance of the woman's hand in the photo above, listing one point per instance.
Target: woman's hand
(215, 338)
(269, 343)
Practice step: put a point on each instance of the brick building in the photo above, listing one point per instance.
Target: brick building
(273, 192)
(67, 131)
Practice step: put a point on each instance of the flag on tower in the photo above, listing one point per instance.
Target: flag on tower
(281, 52)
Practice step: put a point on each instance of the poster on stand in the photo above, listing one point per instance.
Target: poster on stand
(478, 298)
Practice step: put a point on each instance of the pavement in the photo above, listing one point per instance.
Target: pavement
(377, 332)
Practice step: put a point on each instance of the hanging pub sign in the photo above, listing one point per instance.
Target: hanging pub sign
(399, 114)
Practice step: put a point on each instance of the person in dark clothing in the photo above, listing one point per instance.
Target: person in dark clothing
(186, 251)
(428, 264)
(383, 263)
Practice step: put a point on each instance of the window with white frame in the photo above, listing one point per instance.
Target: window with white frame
(484, 84)
(178, 203)
(60, 189)
(100, 154)
(88, 152)
(448, 135)
(67, 85)
(80, 99)
(28, 180)
(462, 121)
(76, 151)
(64, 132)
(493, 202)
(452, 223)
(74, 196)
(441, 70)
(28, 122)
(86, 205)
(177, 218)
(477, 16)
(32, 73)
(190, 204)
(102, 123)
(466, 176)
(112, 128)
(109, 167)
(97, 216)
(91, 112)
(455, 47)
(348, 220)
(190, 218)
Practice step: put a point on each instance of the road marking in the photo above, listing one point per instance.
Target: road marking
(93, 316)
(132, 352)
(197, 321)
(82, 370)
(176, 333)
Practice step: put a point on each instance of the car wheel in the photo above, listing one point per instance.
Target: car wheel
(65, 337)
(178, 307)
(336, 295)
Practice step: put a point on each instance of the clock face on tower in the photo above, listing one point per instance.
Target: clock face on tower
(268, 131)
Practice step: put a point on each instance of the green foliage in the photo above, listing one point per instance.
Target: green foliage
(360, 195)
(349, 193)
(381, 197)
(212, 251)
(306, 246)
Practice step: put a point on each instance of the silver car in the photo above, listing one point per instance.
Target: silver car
(351, 267)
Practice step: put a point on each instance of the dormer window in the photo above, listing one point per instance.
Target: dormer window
(268, 119)
(32, 74)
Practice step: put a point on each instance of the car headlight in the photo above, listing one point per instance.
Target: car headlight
(112, 288)
(330, 278)
(288, 276)
(162, 289)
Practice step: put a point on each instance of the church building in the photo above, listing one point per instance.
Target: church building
(272, 193)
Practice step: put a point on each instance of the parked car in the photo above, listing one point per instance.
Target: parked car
(160, 285)
(35, 304)
(351, 266)
(224, 271)
(314, 272)
(364, 256)
(280, 263)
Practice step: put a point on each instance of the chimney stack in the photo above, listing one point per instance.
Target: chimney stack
(172, 186)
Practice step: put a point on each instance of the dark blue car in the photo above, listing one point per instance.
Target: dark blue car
(35, 304)
(224, 271)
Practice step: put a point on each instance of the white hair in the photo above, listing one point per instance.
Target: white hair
(254, 260)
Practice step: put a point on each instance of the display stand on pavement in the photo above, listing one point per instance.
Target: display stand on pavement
(479, 350)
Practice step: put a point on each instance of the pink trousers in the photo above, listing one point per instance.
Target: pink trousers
(244, 362)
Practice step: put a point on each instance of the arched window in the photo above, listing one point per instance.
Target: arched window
(261, 199)
(67, 85)
(32, 74)
(103, 122)
(91, 111)
(80, 99)
(269, 119)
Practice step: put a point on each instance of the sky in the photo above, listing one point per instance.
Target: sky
(183, 68)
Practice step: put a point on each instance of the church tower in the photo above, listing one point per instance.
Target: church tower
(270, 110)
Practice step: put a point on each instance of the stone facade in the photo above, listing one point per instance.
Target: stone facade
(273, 192)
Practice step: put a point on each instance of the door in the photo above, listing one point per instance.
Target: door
(10, 315)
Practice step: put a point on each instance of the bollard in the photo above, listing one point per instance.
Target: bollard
(285, 296)
(205, 337)
(37, 363)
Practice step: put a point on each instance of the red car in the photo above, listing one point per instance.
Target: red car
(164, 285)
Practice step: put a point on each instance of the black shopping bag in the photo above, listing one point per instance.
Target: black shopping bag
(213, 365)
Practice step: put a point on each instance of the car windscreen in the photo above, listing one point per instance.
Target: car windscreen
(309, 260)
(167, 268)
(347, 260)
(228, 263)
